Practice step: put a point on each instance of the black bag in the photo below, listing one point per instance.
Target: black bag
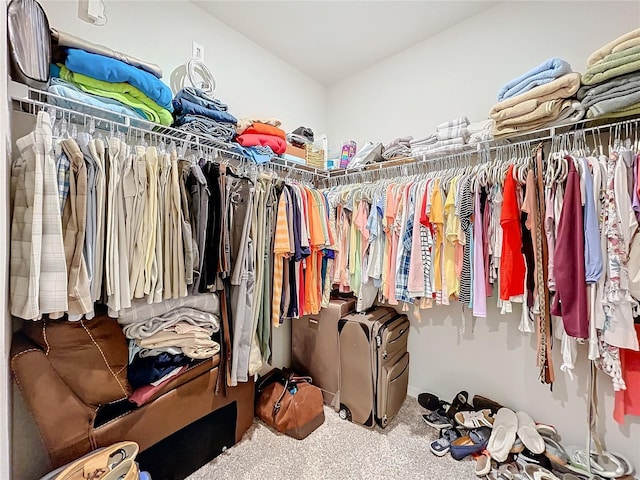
(29, 43)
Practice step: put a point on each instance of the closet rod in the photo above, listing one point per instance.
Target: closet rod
(483, 148)
(122, 123)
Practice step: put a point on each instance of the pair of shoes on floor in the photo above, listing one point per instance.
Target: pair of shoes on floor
(515, 471)
(443, 413)
(506, 426)
(602, 465)
(453, 441)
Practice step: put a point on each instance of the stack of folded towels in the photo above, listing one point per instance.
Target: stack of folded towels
(168, 335)
(262, 133)
(540, 97)
(481, 131)
(200, 113)
(399, 147)
(450, 137)
(611, 85)
(109, 82)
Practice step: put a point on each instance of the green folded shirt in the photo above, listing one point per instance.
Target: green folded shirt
(123, 92)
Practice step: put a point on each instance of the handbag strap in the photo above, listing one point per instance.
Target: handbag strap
(277, 404)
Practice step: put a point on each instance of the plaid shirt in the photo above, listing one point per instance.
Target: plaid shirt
(402, 281)
(63, 164)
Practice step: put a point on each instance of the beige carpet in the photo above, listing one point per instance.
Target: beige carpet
(339, 450)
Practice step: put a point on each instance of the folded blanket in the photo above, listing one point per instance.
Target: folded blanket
(614, 104)
(245, 123)
(183, 315)
(122, 92)
(173, 339)
(540, 75)
(114, 71)
(398, 150)
(71, 92)
(141, 311)
(628, 40)
(480, 126)
(204, 126)
(199, 97)
(399, 141)
(586, 92)
(453, 123)
(543, 112)
(613, 65)
(481, 136)
(459, 131)
(184, 106)
(626, 112)
(439, 150)
(276, 144)
(64, 39)
(571, 111)
(265, 129)
(563, 87)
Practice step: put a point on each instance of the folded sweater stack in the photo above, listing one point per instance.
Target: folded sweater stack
(198, 112)
(264, 135)
(540, 97)
(611, 84)
(101, 77)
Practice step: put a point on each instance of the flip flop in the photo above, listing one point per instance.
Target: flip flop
(528, 433)
(604, 465)
(475, 419)
(503, 435)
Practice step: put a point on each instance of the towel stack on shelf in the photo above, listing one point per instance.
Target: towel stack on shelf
(198, 112)
(611, 84)
(398, 147)
(111, 84)
(541, 97)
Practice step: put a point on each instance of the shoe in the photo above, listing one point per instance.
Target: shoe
(440, 447)
(437, 419)
(474, 442)
(479, 419)
(429, 401)
(518, 446)
(96, 464)
(527, 457)
(528, 433)
(511, 471)
(483, 465)
(535, 472)
(503, 435)
(127, 470)
(459, 404)
(480, 403)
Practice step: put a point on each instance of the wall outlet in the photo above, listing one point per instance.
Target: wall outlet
(197, 51)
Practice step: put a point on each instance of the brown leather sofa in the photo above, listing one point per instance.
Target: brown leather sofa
(70, 428)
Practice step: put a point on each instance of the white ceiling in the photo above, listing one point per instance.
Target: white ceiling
(331, 40)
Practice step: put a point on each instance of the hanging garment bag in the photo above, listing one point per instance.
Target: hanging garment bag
(29, 43)
(374, 365)
(315, 349)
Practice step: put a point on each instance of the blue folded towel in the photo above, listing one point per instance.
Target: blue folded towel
(111, 70)
(540, 75)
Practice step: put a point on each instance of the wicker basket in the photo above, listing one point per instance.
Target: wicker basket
(314, 156)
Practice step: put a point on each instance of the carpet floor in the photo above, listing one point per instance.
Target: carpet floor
(340, 450)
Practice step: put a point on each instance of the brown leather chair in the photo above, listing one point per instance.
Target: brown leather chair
(69, 429)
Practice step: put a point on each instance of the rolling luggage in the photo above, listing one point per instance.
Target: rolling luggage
(315, 350)
(374, 361)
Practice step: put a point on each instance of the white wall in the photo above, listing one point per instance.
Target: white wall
(460, 70)
(249, 79)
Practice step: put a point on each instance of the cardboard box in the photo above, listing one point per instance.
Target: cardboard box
(295, 151)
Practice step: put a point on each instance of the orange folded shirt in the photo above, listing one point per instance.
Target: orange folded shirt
(264, 129)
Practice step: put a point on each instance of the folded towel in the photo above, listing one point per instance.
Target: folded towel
(67, 40)
(183, 316)
(481, 136)
(141, 311)
(398, 150)
(587, 92)
(114, 71)
(439, 150)
(245, 123)
(122, 92)
(540, 75)
(628, 40)
(453, 132)
(431, 139)
(399, 141)
(543, 112)
(614, 104)
(206, 127)
(453, 123)
(613, 65)
(265, 129)
(184, 106)
(626, 112)
(277, 144)
(480, 126)
(563, 87)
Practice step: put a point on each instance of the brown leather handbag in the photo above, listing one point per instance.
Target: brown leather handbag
(289, 403)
